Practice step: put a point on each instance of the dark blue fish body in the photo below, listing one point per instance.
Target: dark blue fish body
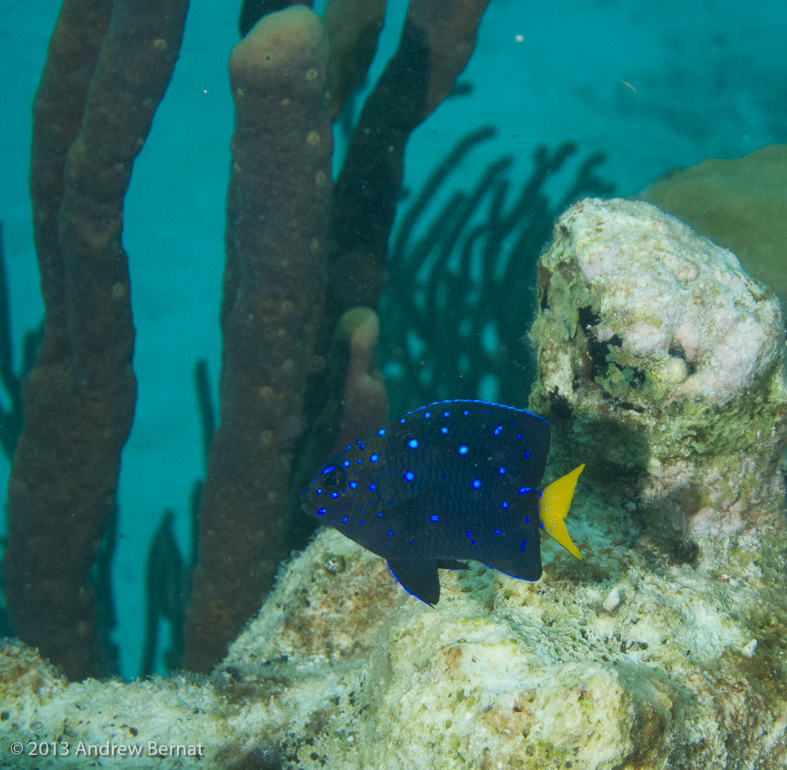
(449, 481)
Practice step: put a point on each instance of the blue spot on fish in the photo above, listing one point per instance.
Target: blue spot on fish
(462, 450)
(409, 476)
(413, 443)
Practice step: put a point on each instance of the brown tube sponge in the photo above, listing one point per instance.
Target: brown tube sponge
(365, 399)
(79, 397)
(58, 109)
(436, 43)
(353, 27)
(274, 288)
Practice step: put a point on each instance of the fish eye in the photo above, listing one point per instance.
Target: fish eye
(333, 477)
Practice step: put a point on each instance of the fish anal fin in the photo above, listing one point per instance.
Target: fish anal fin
(553, 506)
(418, 577)
(451, 564)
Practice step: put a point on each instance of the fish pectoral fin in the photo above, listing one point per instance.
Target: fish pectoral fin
(553, 506)
(433, 500)
(418, 577)
(451, 564)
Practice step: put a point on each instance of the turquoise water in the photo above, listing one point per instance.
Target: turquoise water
(654, 89)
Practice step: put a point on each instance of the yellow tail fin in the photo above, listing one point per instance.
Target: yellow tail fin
(553, 507)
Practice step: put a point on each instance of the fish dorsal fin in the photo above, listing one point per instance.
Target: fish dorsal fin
(418, 577)
(489, 436)
(553, 506)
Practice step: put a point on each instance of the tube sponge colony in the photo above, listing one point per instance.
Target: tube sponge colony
(108, 67)
(274, 286)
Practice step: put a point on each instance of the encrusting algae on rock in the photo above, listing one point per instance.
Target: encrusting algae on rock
(660, 361)
(642, 655)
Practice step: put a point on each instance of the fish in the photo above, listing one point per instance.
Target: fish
(447, 482)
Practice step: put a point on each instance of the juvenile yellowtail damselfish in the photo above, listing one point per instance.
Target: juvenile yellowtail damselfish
(449, 481)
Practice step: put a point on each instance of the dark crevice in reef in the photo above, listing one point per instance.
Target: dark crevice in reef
(676, 351)
(597, 351)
